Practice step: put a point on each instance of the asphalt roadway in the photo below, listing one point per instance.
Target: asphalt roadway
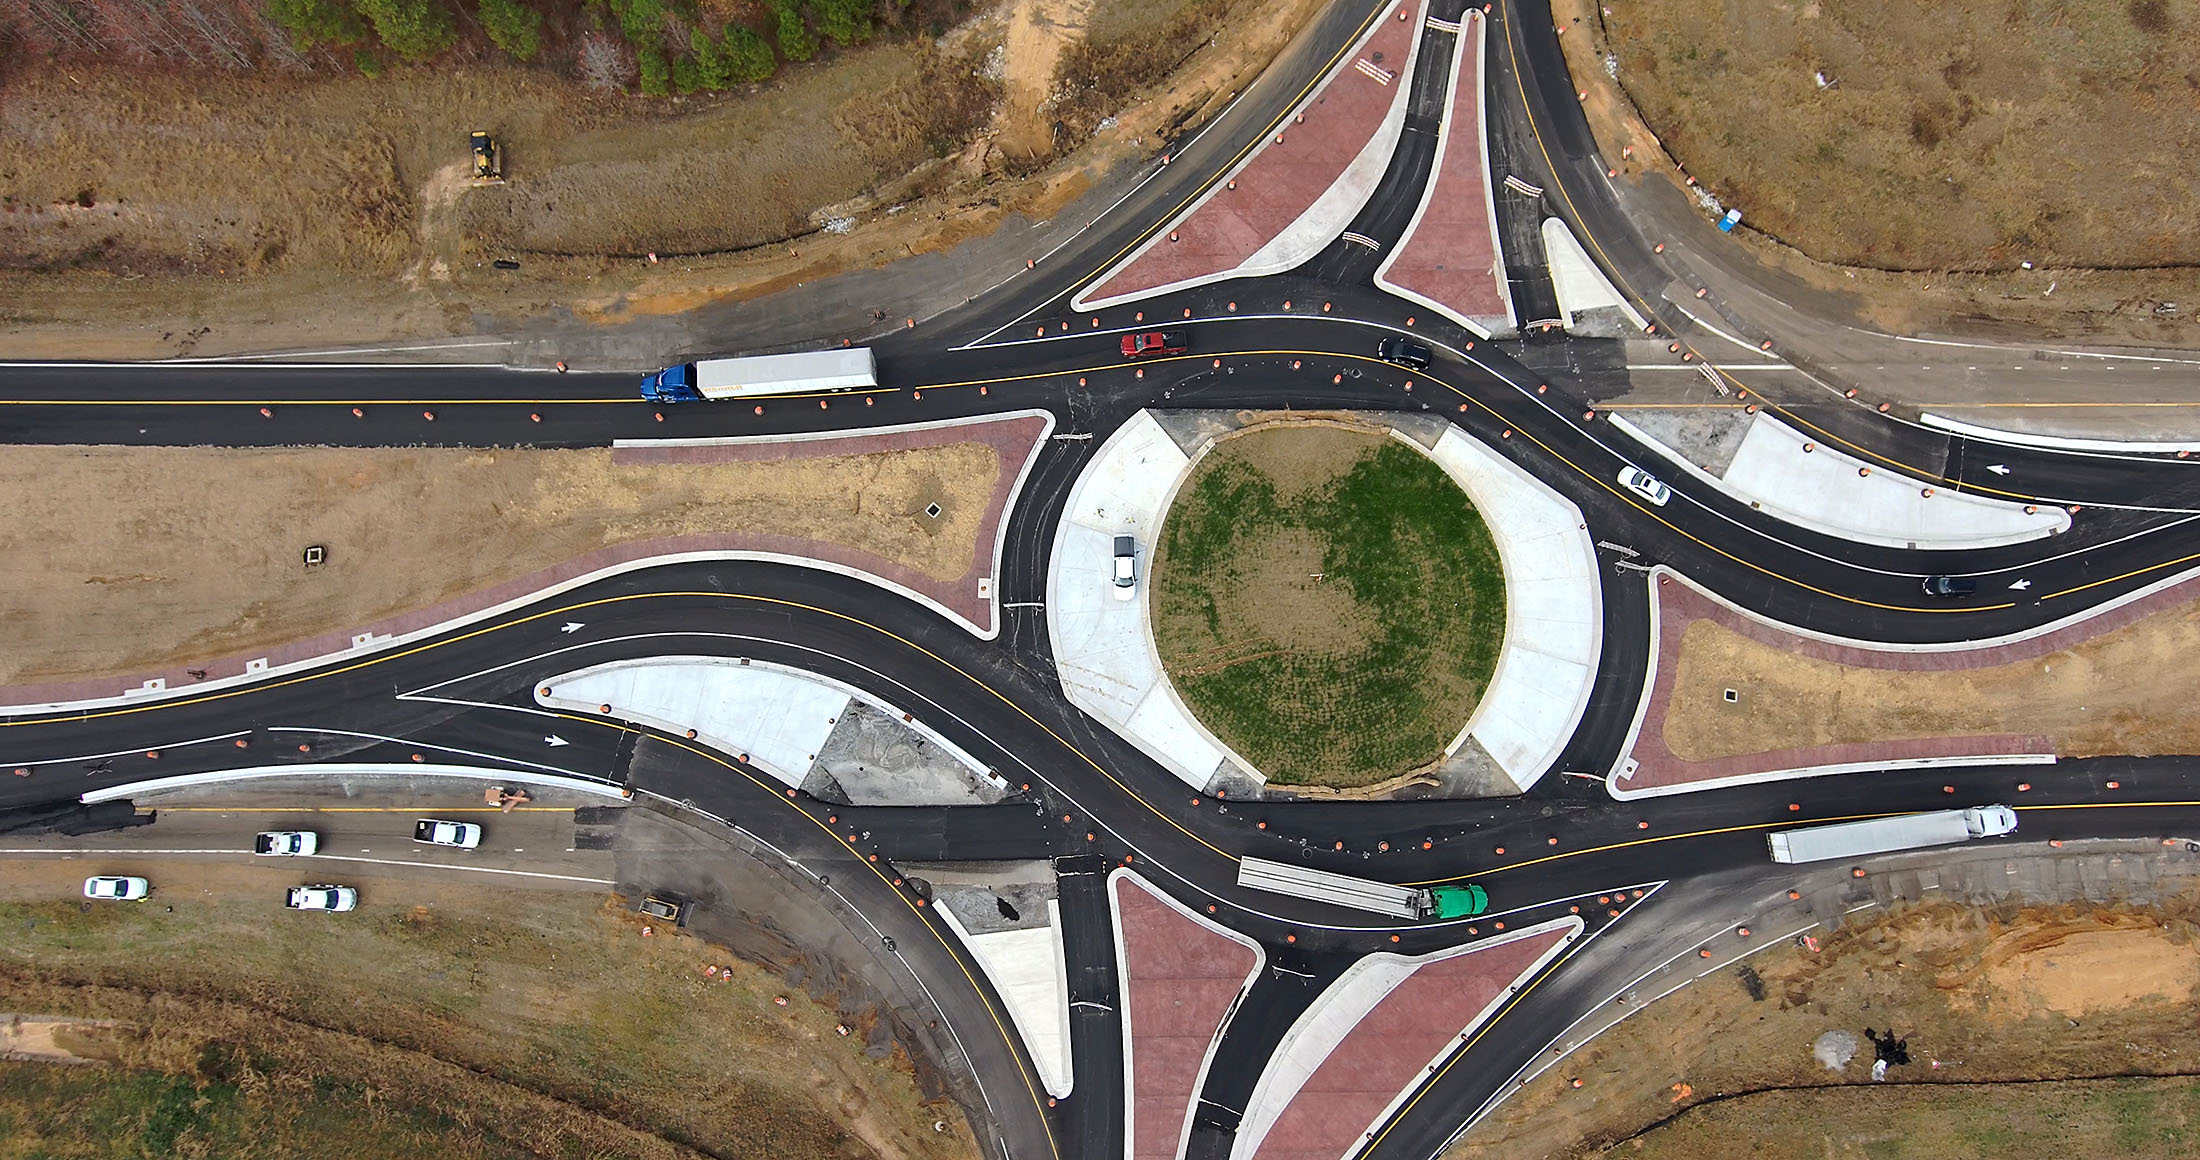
(1093, 800)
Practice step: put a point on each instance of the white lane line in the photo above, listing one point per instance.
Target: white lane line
(133, 752)
(431, 745)
(72, 850)
(146, 851)
(2029, 349)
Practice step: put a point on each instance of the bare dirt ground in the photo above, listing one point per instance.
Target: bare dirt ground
(304, 212)
(1953, 144)
(196, 552)
(544, 1013)
(2123, 692)
(1994, 997)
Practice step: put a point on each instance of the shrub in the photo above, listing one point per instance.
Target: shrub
(713, 68)
(795, 41)
(413, 29)
(656, 74)
(749, 55)
(640, 20)
(513, 27)
(844, 22)
(316, 22)
(687, 74)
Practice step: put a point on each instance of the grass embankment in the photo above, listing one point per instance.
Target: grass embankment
(1328, 602)
(1964, 136)
(50, 1112)
(546, 1019)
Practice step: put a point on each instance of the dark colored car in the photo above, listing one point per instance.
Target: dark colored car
(1406, 353)
(1147, 344)
(1950, 587)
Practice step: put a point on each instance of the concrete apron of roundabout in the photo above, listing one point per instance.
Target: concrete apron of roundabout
(1111, 667)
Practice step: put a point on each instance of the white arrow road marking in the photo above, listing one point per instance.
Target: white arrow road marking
(2020, 585)
(572, 626)
(1997, 468)
(553, 741)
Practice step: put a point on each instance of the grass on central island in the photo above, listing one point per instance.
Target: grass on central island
(1328, 602)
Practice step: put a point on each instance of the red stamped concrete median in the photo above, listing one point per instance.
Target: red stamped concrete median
(1180, 977)
(1387, 1052)
(1016, 439)
(1299, 189)
(1448, 258)
(1680, 604)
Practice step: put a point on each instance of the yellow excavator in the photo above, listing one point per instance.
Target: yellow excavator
(488, 160)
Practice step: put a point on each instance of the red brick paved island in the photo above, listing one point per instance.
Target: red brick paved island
(1180, 977)
(1448, 259)
(1384, 1055)
(1299, 189)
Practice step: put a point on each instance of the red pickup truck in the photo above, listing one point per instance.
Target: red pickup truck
(1154, 342)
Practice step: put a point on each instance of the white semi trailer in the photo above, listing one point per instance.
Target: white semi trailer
(1886, 835)
(1462, 900)
(810, 372)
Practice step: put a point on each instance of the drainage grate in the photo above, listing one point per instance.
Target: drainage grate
(1732, 696)
(933, 510)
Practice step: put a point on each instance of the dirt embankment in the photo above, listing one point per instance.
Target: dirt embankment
(1982, 998)
(1910, 159)
(2123, 692)
(150, 214)
(193, 553)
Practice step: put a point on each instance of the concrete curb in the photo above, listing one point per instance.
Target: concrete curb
(2057, 442)
(257, 772)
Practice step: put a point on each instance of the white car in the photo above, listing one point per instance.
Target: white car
(286, 843)
(1644, 484)
(117, 888)
(1126, 567)
(326, 896)
(436, 832)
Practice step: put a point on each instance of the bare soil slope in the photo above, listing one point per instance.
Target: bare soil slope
(1909, 136)
(196, 553)
(2123, 692)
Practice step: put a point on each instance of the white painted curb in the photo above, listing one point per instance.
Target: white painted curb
(280, 772)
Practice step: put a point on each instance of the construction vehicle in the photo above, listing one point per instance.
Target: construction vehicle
(1886, 835)
(488, 160)
(1464, 900)
(776, 374)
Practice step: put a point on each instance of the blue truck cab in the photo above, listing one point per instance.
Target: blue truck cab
(674, 384)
